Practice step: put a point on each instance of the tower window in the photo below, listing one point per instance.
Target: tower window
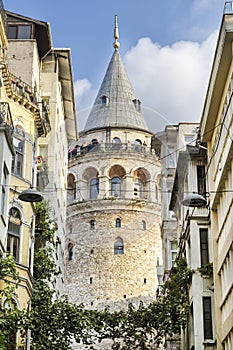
(91, 280)
(143, 225)
(144, 280)
(105, 100)
(119, 246)
(118, 222)
(116, 186)
(94, 188)
(71, 251)
(92, 224)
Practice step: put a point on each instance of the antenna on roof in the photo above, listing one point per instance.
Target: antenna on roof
(116, 43)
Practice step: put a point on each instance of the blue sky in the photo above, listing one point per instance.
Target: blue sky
(167, 48)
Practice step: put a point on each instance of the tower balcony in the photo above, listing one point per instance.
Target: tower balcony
(110, 148)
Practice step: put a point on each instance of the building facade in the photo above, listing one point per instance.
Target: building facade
(43, 77)
(216, 130)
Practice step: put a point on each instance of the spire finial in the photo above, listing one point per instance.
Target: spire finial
(116, 43)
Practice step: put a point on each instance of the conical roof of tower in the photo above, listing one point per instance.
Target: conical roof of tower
(116, 104)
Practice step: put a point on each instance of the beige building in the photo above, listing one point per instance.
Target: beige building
(217, 131)
(113, 214)
(45, 74)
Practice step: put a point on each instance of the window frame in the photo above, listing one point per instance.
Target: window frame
(94, 188)
(204, 246)
(18, 159)
(17, 35)
(14, 233)
(207, 318)
(116, 186)
(119, 246)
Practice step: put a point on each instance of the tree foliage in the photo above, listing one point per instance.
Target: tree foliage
(55, 322)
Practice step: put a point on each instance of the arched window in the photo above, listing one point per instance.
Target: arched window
(71, 251)
(105, 100)
(118, 246)
(92, 224)
(116, 186)
(19, 145)
(13, 233)
(138, 186)
(116, 140)
(94, 188)
(118, 222)
(143, 225)
(116, 143)
(71, 187)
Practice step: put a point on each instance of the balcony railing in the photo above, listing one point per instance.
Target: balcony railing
(22, 89)
(5, 115)
(103, 147)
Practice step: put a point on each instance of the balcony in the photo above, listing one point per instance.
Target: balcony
(22, 89)
(103, 147)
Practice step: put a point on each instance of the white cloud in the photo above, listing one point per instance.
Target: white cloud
(171, 81)
(84, 96)
(81, 86)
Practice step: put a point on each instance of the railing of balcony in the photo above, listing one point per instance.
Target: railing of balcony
(22, 89)
(103, 147)
(3, 15)
(5, 114)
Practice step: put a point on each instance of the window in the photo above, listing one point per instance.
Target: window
(116, 140)
(171, 157)
(207, 318)
(71, 187)
(204, 250)
(118, 222)
(4, 179)
(71, 251)
(116, 186)
(138, 186)
(116, 143)
(13, 233)
(92, 224)
(18, 141)
(201, 180)
(173, 252)
(105, 100)
(119, 246)
(19, 31)
(94, 188)
(143, 225)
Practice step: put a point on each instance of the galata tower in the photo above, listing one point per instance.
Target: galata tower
(113, 217)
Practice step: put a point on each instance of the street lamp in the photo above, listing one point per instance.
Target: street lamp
(31, 195)
(194, 200)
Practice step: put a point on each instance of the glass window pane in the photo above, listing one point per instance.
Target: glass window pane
(12, 32)
(24, 32)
